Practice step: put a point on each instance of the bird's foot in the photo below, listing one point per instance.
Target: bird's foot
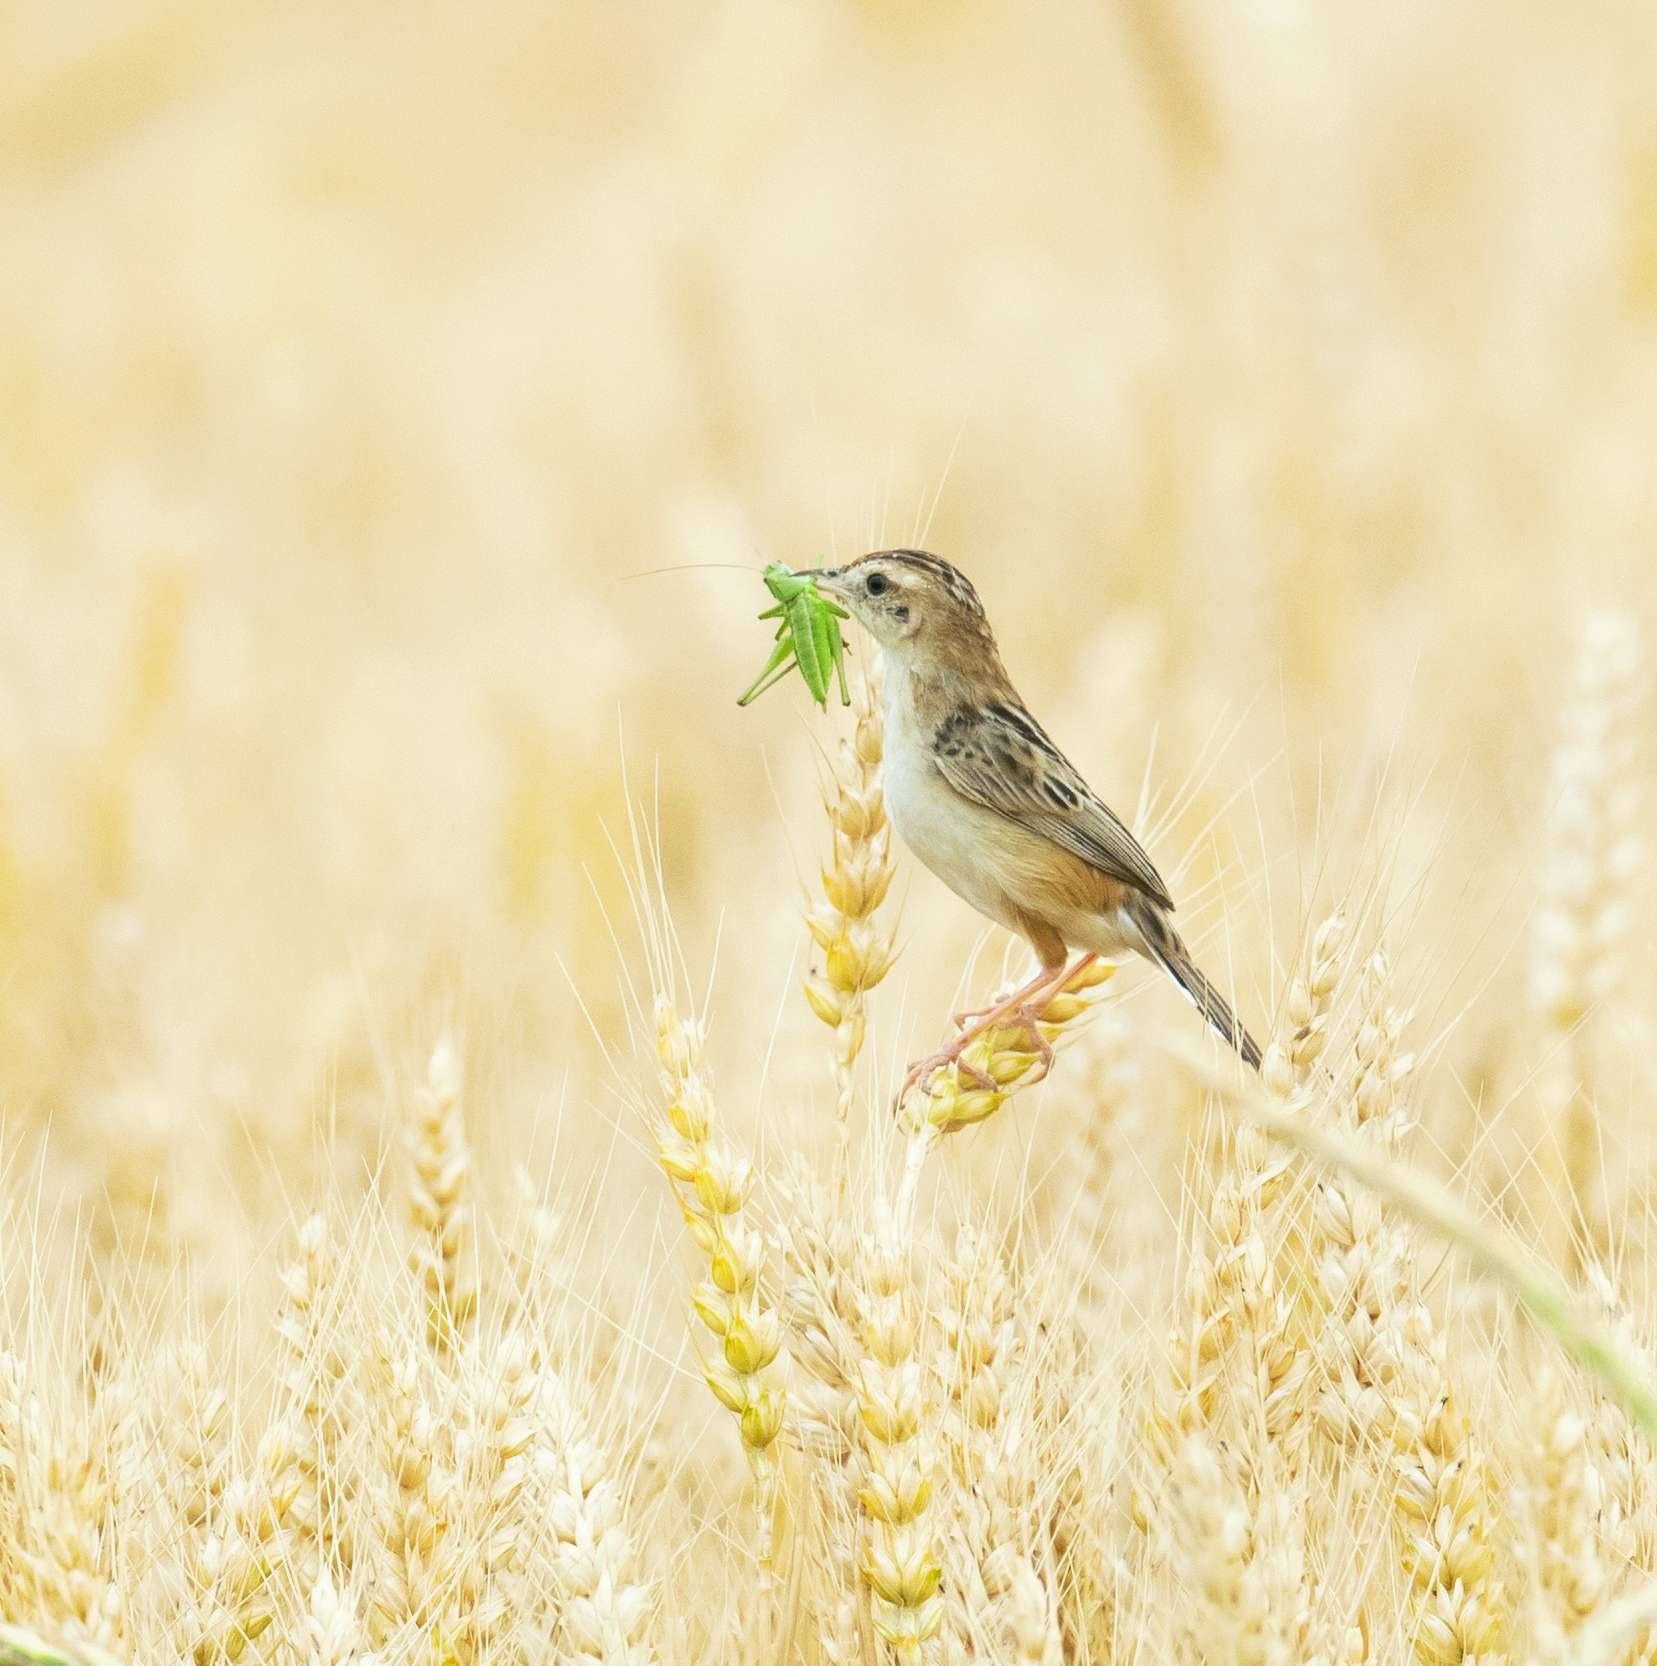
(1015, 1015)
(1029, 1014)
(979, 1019)
(922, 1071)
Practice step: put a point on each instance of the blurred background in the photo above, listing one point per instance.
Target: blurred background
(1282, 374)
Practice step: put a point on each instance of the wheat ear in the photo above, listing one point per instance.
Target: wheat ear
(1582, 918)
(900, 1562)
(603, 1607)
(415, 1502)
(1001, 1606)
(820, 1305)
(857, 950)
(1008, 1056)
(1235, 1301)
(440, 1165)
(713, 1184)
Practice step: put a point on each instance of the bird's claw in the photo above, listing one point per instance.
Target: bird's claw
(1030, 1018)
(923, 1070)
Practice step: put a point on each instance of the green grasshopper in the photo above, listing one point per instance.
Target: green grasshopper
(809, 636)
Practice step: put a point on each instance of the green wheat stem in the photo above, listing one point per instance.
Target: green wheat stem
(1535, 1286)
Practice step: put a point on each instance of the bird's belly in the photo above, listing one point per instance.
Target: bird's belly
(948, 834)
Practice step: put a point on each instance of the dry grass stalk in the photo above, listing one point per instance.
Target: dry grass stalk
(231, 1572)
(713, 1185)
(1386, 1389)
(1112, 1215)
(18, 1418)
(440, 1164)
(1620, 1483)
(819, 1303)
(196, 1442)
(1110, 1245)
(1078, 1424)
(1445, 1485)
(857, 950)
(1303, 1028)
(1365, 1315)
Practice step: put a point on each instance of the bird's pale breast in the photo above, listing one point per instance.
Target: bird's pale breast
(957, 840)
(1006, 871)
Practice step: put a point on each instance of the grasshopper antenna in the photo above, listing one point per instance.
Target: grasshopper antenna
(694, 567)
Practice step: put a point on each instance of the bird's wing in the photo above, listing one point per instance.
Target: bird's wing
(1000, 757)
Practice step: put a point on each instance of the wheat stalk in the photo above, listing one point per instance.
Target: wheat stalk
(21, 1647)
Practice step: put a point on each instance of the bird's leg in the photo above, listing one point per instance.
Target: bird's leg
(1028, 1011)
(981, 1017)
(1022, 1005)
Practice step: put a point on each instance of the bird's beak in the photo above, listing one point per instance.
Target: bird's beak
(831, 579)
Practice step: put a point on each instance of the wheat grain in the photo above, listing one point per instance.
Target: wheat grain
(329, 1633)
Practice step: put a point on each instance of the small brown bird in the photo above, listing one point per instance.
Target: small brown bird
(994, 808)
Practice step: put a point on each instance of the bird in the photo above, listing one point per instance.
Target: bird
(985, 800)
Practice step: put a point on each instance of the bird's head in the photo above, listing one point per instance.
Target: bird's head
(916, 606)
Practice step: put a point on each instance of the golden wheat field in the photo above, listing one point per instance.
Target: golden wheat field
(452, 1209)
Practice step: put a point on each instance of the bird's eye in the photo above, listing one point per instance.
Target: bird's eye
(877, 584)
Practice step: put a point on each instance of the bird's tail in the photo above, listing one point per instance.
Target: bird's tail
(1163, 945)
